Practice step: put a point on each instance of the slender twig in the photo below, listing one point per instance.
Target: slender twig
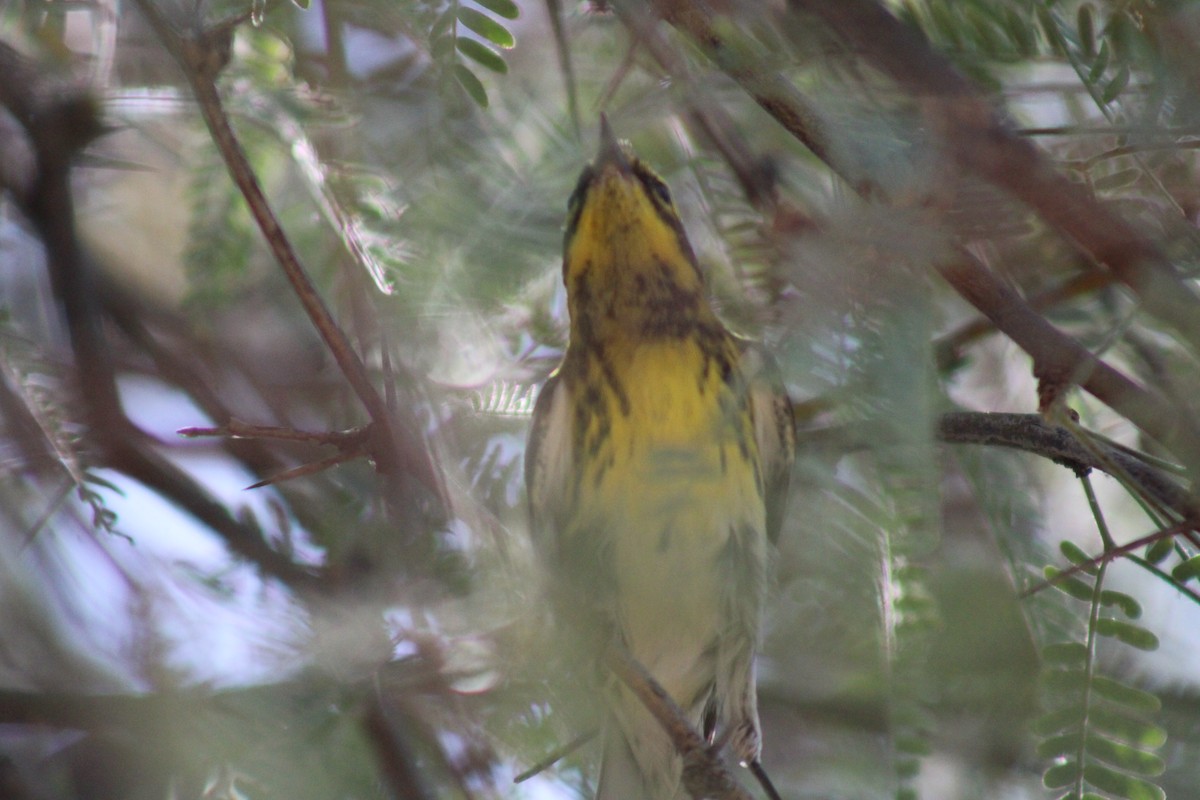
(1107, 556)
(244, 430)
(202, 56)
(704, 774)
(397, 761)
(312, 468)
(1029, 432)
(764, 780)
(972, 133)
(58, 127)
(554, 11)
(556, 755)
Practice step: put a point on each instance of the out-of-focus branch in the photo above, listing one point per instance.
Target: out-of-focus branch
(1032, 434)
(1058, 359)
(59, 122)
(202, 56)
(704, 775)
(397, 762)
(970, 131)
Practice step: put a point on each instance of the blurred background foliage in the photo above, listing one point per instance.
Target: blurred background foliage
(368, 624)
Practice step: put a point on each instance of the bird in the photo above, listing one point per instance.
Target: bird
(657, 469)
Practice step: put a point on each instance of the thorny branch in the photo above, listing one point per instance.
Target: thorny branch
(57, 122)
(1058, 359)
(202, 56)
(704, 775)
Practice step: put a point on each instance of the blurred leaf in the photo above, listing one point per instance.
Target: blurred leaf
(481, 54)
(1187, 570)
(501, 8)
(1128, 633)
(1122, 785)
(469, 82)
(486, 27)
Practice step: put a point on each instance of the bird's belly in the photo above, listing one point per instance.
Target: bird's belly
(675, 497)
(687, 531)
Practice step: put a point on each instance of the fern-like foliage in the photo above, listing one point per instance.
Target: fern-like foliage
(464, 35)
(1097, 730)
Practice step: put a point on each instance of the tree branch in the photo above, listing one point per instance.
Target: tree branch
(202, 56)
(971, 131)
(59, 123)
(704, 774)
(1057, 357)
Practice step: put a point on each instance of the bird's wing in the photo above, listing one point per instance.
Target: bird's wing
(548, 460)
(774, 429)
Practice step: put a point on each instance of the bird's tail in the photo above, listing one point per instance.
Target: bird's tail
(639, 761)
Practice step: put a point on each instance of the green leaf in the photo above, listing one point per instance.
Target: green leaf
(1073, 586)
(1187, 570)
(1060, 775)
(482, 54)
(1125, 757)
(1156, 552)
(1127, 729)
(945, 22)
(1058, 720)
(913, 745)
(1115, 86)
(986, 35)
(1065, 653)
(906, 767)
(486, 27)
(1084, 23)
(1117, 180)
(1128, 696)
(1075, 554)
(1130, 634)
(1109, 780)
(1129, 607)
(302, 4)
(442, 24)
(1123, 32)
(471, 84)
(1099, 64)
(1065, 679)
(1050, 30)
(1020, 32)
(1064, 745)
(501, 8)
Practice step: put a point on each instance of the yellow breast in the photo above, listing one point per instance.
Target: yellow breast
(672, 484)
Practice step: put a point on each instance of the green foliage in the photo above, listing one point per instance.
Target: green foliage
(426, 199)
(220, 237)
(1096, 730)
(484, 35)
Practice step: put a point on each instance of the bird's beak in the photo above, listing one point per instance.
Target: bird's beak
(610, 151)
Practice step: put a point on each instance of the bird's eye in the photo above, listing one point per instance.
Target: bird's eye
(658, 189)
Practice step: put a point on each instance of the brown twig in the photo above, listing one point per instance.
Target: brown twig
(243, 430)
(972, 133)
(556, 755)
(202, 56)
(1056, 356)
(397, 761)
(59, 122)
(1109, 555)
(704, 774)
(312, 468)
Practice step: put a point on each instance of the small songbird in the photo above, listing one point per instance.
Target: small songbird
(657, 471)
